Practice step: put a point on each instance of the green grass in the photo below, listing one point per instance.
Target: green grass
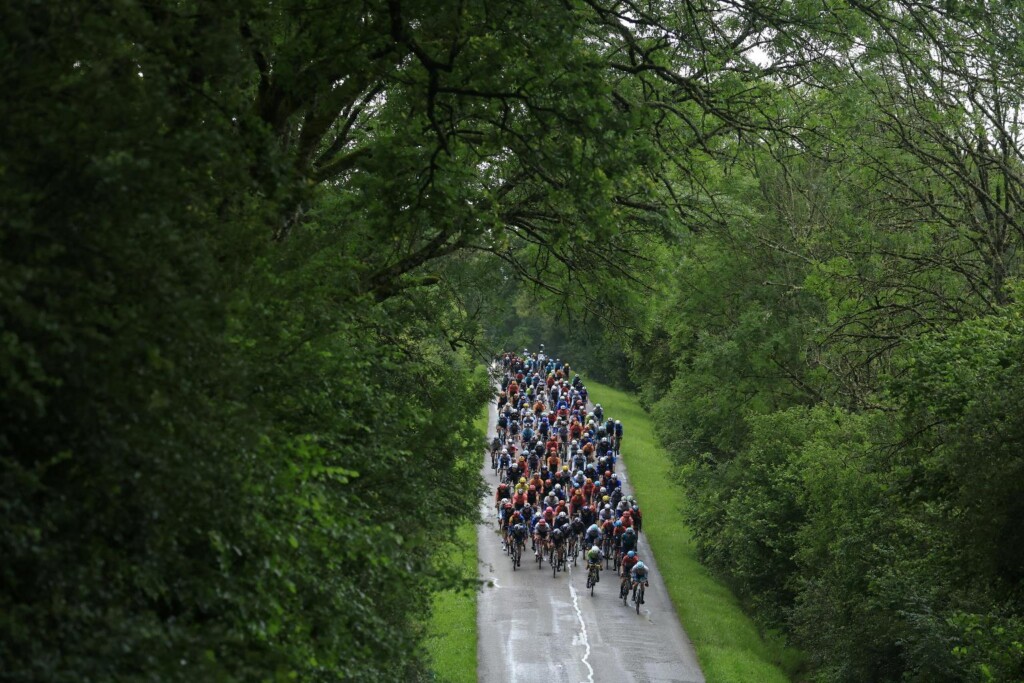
(451, 631)
(729, 645)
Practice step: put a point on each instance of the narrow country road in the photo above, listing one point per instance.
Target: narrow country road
(533, 627)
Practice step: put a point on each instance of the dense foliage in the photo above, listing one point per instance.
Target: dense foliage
(836, 361)
(245, 251)
(248, 252)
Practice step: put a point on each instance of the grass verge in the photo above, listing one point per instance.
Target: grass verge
(451, 631)
(729, 646)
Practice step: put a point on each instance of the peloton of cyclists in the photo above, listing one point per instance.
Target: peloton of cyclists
(556, 467)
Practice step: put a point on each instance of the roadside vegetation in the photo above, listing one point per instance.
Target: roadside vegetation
(451, 631)
(252, 253)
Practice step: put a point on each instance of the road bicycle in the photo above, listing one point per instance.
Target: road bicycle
(557, 560)
(593, 576)
(638, 594)
(606, 548)
(624, 589)
(517, 554)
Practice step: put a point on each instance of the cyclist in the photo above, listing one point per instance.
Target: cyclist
(527, 432)
(502, 427)
(532, 497)
(549, 515)
(519, 533)
(592, 536)
(554, 463)
(561, 520)
(533, 461)
(504, 513)
(638, 575)
(587, 515)
(588, 489)
(577, 527)
(576, 501)
(503, 491)
(557, 540)
(541, 530)
(628, 540)
(595, 558)
(558, 492)
(625, 571)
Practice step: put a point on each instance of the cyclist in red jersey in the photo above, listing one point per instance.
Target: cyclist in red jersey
(576, 501)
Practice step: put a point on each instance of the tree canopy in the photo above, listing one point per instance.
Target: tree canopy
(252, 258)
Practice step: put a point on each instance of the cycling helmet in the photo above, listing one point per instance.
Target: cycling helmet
(604, 499)
(607, 506)
(640, 565)
(617, 422)
(565, 468)
(504, 451)
(563, 514)
(549, 509)
(607, 473)
(618, 523)
(594, 547)
(522, 480)
(558, 487)
(631, 553)
(533, 487)
(604, 439)
(505, 500)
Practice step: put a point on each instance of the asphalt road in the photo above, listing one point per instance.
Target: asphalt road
(533, 627)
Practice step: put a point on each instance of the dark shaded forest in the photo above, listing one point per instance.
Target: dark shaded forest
(254, 257)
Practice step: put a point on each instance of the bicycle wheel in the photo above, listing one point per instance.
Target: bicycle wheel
(624, 592)
(639, 598)
(554, 569)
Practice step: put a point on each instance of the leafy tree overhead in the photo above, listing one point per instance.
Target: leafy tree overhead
(240, 255)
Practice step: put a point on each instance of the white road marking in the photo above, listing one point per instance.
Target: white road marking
(583, 629)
